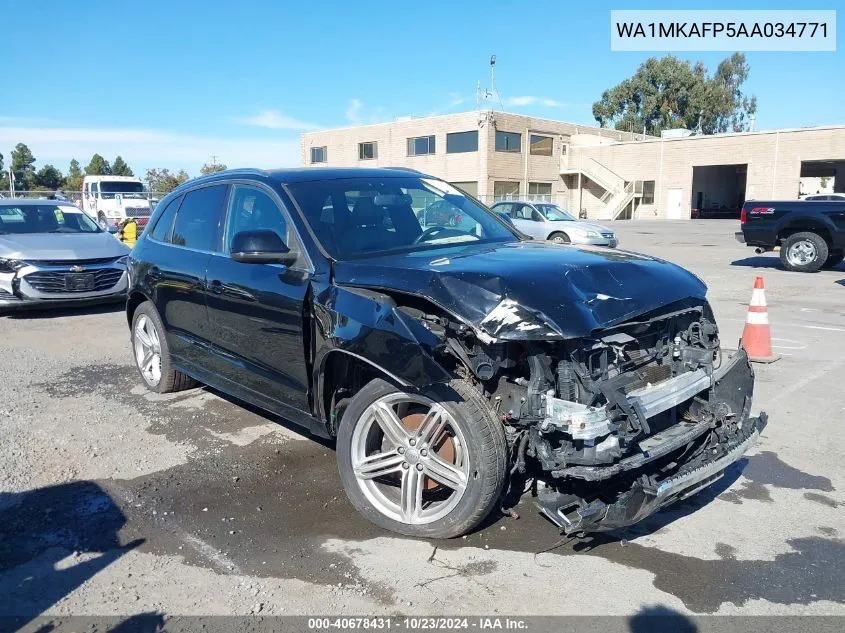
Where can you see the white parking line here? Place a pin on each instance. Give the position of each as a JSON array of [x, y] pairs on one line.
[[808, 327]]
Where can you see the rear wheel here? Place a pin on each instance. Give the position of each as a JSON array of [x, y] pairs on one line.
[[152, 354], [834, 259], [426, 464], [559, 238], [804, 252]]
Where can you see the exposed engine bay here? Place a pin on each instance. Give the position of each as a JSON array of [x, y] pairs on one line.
[[607, 429]]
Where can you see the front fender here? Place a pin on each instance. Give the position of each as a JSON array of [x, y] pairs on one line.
[[367, 325]]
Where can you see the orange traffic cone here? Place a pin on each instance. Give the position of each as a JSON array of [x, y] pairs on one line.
[[756, 337]]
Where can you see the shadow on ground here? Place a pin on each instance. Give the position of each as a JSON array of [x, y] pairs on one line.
[[660, 618], [760, 261], [55, 539], [33, 313]]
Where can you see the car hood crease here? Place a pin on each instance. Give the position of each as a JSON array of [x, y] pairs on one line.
[[529, 290]]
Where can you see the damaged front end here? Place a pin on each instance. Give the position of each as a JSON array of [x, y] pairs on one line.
[[621, 423]]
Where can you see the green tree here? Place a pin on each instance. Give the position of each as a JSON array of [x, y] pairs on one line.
[[162, 181], [98, 166], [668, 92], [211, 168], [73, 182], [4, 178], [23, 167], [120, 168], [49, 178]]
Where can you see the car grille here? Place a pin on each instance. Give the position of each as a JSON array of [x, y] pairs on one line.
[[70, 262], [137, 212], [5, 294], [55, 282]]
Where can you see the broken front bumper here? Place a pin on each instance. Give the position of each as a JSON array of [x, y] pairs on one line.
[[732, 384]]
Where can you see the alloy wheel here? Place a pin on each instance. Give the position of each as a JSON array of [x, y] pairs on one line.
[[147, 350], [409, 458]]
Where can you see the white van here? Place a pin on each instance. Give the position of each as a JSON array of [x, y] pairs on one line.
[[111, 199]]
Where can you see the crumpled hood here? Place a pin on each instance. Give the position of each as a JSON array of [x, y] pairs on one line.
[[530, 290], [35, 246]]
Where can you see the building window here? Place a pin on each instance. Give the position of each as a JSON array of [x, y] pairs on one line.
[[540, 145], [505, 190], [368, 150], [318, 154], [540, 188], [648, 192], [421, 145], [470, 187], [508, 142], [460, 142]]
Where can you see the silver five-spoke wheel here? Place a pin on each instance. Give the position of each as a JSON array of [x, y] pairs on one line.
[[147, 350], [409, 458]]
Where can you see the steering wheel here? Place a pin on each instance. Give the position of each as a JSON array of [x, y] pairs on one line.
[[433, 230]]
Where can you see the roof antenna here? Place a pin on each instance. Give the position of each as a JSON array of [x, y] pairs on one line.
[[493, 92]]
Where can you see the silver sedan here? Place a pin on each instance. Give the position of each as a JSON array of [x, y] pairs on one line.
[[546, 221], [52, 253]]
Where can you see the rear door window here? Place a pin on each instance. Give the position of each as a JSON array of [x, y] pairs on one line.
[[197, 222], [161, 230]]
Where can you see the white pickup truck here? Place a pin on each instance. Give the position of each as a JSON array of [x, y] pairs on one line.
[[111, 199]]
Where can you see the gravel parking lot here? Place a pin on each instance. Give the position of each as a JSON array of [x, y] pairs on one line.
[[116, 501]]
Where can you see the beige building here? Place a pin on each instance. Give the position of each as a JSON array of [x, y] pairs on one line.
[[605, 173]]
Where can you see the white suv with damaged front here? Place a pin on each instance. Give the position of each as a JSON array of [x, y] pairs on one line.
[[51, 253]]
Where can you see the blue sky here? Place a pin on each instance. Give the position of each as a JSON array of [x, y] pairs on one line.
[[168, 84]]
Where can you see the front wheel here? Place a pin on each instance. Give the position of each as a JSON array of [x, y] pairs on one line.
[[804, 252], [559, 238], [428, 464]]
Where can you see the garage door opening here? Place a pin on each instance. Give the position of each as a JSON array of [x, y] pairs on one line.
[[718, 191], [820, 177]]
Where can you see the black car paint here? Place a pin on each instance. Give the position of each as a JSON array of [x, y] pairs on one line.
[[767, 221], [568, 291], [348, 308]]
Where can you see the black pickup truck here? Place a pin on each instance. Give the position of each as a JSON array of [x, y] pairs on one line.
[[810, 233]]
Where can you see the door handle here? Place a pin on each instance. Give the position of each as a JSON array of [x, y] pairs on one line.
[[155, 273], [216, 286]]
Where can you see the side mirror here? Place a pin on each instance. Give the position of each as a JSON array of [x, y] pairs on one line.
[[261, 247]]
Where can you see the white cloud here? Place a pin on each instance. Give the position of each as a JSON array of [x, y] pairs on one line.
[[275, 120], [456, 99], [353, 112], [530, 100], [520, 101], [143, 148], [357, 114]]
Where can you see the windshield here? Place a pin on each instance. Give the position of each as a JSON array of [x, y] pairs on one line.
[[45, 218], [109, 188], [357, 217], [554, 213]]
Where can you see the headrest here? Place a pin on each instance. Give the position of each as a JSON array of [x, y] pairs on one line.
[[365, 212]]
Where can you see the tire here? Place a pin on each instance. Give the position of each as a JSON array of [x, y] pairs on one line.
[[834, 259], [478, 450], [804, 252], [559, 238], [160, 377]]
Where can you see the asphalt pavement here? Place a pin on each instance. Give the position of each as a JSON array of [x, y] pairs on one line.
[[115, 501]]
